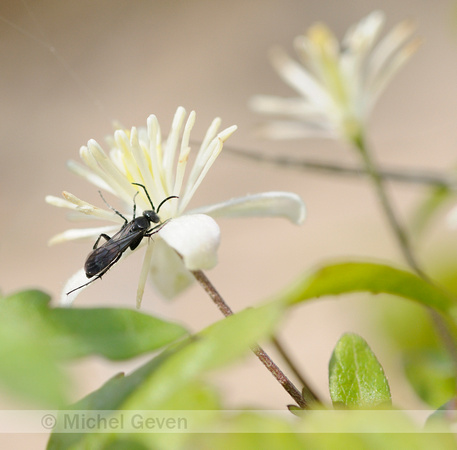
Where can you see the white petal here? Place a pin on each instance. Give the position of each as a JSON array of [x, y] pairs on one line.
[[388, 46], [298, 77], [383, 76], [73, 203], [144, 274], [195, 237], [266, 204], [88, 175], [76, 280], [59, 202], [168, 272], [81, 233], [205, 159], [104, 166], [360, 37], [292, 106], [283, 129], [79, 280], [452, 218], [89, 209]]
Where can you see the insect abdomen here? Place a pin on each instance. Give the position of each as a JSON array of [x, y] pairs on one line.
[[99, 260]]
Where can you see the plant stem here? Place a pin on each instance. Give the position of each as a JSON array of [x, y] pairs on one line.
[[307, 392], [404, 244], [259, 352], [406, 176]]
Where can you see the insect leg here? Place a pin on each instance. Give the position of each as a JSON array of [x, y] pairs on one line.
[[113, 209], [134, 205], [147, 194], [99, 275], [156, 229], [103, 235]]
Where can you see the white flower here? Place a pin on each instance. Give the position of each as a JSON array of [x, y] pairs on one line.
[[338, 86], [186, 241]]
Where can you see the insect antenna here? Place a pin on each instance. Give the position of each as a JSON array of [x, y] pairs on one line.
[[163, 201], [149, 198], [147, 195]]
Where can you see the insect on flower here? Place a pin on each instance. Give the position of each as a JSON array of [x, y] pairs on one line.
[[190, 239], [103, 257]]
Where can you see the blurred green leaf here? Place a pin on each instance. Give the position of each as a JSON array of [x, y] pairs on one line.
[[432, 375], [446, 270], [28, 365], [249, 441], [216, 346], [356, 379], [160, 383], [322, 430], [417, 332], [342, 278], [35, 339], [374, 429], [444, 419], [121, 443], [112, 333]]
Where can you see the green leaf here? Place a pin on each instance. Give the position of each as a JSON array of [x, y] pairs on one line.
[[343, 278], [28, 365], [263, 438], [113, 333], [35, 339], [216, 346], [362, 430], [432, 375], [416, 333], [356, 379], [156, 384], [444, 419]]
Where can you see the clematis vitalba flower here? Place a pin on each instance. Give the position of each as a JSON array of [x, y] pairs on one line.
[[187, 240], [338, 85]]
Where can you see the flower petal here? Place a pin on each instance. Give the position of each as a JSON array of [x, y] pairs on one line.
[[283, 129], [76, 280], [74, 234], [88, 175], [292, 107], [195, 237], [266, 204], [452, 218], [168, 272], [340, 83], [144, 275], [299, 78]]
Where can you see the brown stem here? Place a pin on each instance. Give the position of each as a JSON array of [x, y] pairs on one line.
[[307, 392], [399, 175], [259, 352]]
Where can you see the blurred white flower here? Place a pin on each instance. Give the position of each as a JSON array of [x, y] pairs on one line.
[[452, 218], [338, 85], [141, 156]]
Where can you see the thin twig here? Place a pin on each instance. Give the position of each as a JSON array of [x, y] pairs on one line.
[[400, 175], [405, 246], [307, 392], [259, 352]]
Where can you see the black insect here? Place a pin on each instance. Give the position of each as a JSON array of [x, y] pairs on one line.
[[103, 257]]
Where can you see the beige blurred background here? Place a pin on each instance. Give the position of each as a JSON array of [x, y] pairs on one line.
[[69, 68]]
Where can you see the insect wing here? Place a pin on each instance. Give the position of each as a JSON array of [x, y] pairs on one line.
[[103, 257]]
